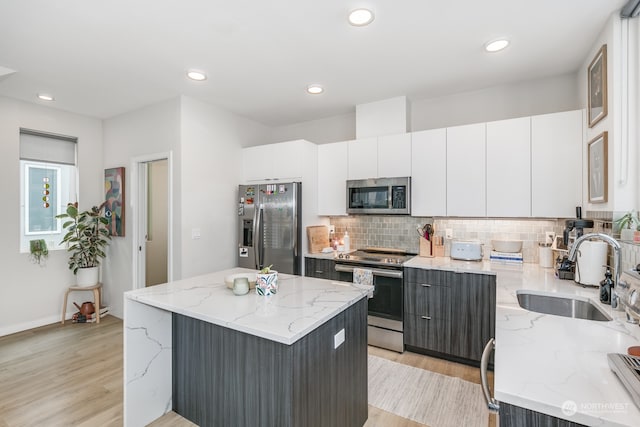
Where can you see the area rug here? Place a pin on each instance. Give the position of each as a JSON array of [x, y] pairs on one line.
[[425, 397]]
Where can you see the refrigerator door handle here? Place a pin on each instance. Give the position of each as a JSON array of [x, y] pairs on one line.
[[256, 217], [258, 244]]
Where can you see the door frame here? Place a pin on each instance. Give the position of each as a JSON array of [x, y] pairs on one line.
[[138, 213]]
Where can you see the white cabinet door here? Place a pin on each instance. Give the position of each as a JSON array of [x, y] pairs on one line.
[[255, 168], [429, 173], [287, 160], [556, 162], [363, 158], [332, 178], [466, 176], [509, 168], [394, 155]]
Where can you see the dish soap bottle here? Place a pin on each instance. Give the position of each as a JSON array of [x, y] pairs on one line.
[[346, 241], [606, 286]]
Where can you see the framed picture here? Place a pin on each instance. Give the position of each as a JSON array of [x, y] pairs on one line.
[[114, 197], [597, 83], [598, 169]]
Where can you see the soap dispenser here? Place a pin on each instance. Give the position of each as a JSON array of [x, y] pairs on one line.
[[606, 287], [346, 241]]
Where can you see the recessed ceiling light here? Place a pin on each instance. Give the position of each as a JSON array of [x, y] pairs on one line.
[[46, 97], [361, 17], [496, 45], [315, 89], [196, 75]]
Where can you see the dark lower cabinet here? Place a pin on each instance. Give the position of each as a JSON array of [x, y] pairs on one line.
[[320, 268], [473, 314], [452, 314], [516, 416], [223, 377]]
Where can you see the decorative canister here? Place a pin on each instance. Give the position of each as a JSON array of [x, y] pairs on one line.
[[267, 283]]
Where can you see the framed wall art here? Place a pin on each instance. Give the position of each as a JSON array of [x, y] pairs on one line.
[[114, 200], [598, 169], [597, 87]]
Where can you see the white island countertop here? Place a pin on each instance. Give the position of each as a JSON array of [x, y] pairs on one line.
[[300, 306], [551, 364]]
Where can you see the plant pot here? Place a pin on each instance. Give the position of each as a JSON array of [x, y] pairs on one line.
[[267, 283], [87, 276], [626, 234], [636, 236]]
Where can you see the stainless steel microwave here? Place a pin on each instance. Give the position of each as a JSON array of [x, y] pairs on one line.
[[381, 196]]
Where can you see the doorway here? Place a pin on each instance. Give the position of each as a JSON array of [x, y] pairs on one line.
[[153, 233], [156, 240]]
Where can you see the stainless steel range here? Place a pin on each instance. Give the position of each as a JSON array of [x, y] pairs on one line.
[[385, 313]]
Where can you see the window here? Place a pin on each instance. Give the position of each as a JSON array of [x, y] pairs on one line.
[[48, 182]]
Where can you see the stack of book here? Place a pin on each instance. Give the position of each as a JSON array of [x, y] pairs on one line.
[[506, 257], [90, 318]]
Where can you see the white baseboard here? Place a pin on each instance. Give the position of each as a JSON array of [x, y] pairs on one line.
[[20, 327]]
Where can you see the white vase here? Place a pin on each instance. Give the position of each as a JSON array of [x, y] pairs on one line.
[[87, 276]]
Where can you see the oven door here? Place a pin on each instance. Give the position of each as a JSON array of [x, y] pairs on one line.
[[387, 301]]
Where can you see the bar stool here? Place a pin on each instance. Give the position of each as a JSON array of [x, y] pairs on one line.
[[97, 288]]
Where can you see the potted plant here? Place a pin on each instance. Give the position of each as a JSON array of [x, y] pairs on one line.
[[627, 224], [87, 236], [267, 281], [38, 251]]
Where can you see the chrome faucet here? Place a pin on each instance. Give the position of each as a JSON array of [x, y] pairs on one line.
[[573, 253]]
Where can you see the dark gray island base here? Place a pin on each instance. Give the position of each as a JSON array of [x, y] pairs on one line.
[[223, 377]]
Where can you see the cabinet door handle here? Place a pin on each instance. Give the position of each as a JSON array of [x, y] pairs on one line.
[[492, 403], [319, 271], [425, 285], [426, 317]]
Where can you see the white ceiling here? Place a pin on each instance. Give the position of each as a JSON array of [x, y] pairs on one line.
[[103, 58]]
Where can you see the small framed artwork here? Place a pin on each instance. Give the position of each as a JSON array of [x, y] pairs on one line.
[[597, 87], [114, 200], [598, 169]]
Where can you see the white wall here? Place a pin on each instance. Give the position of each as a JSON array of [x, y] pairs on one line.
[[528, 98], [24, 284], [321, 131], [623, 150], [150, 130], [212, 141]]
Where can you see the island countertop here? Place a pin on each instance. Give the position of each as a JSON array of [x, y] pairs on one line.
[[300, 306]]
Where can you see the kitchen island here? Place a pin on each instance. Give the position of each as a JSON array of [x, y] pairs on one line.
[[552, 365], [295, 358]]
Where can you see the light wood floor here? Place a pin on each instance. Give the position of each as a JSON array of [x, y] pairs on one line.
[[71, 375]]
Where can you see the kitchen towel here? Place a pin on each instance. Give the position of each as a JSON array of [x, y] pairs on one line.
[[363, 276]]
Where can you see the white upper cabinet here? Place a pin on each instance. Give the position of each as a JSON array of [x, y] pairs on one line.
[[333, 164], [556, 159], [466, 174], [509, 168], [394, 155], [281, 161], [363, 158], [429, 173]]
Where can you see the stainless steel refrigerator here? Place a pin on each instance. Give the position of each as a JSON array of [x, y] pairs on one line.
[[270, 227]]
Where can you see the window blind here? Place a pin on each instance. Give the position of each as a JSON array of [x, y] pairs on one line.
[[42, 147]]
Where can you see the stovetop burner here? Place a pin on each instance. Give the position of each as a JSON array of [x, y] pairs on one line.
[[376, 256]]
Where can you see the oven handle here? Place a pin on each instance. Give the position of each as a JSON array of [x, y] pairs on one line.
[[375, 271]]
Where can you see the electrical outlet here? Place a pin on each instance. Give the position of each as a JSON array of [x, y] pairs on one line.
[[448, 233], [332, 229], [549, 236], [195, 233], [338, 339]]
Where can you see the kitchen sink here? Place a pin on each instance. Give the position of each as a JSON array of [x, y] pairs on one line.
[[562, 306]]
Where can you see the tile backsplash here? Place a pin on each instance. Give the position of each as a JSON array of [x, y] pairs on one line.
[[400, 232]]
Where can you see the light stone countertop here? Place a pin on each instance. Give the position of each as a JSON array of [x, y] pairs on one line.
[[300, 306], [552, 364]]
